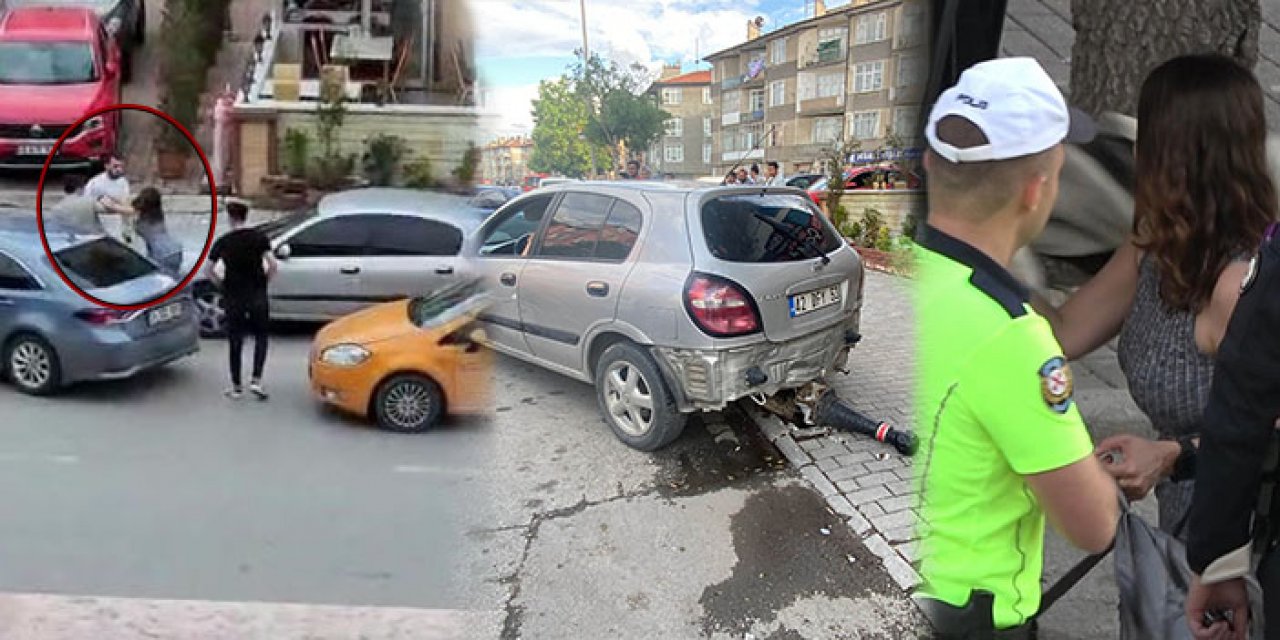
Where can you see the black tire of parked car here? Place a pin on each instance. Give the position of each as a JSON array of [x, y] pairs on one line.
[[667, 422], [384, 398], [32, 342]]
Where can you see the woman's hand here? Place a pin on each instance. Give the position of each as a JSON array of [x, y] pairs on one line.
[[1142, 464]]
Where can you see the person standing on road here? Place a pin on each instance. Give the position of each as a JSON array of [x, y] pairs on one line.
[[162, 247], [774, 175], [76, 209], [110, 191], [1002, 443], [247, 266]]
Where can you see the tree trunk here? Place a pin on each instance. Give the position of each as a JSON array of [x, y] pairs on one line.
[[1118, 42]]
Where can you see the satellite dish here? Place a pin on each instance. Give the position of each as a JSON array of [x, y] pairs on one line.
[[759, 21]]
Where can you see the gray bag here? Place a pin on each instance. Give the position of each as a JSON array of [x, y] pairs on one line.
[[1153, 578]]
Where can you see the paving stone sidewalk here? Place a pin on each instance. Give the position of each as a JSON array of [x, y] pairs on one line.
[[869, 484]]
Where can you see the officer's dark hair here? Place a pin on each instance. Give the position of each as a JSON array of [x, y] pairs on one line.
[[978, 189], [238, 211], [1203, 194]]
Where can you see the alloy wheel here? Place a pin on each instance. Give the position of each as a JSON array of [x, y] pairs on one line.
[[629, 399], [30, 365], [213, 317], [408, 404]]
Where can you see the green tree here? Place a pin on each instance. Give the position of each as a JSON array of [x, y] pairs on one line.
[[559, 119], [619, 113]]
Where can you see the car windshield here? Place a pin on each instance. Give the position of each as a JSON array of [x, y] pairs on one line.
[[274, 228], [46, 63], [770, 228], [439, 306], [102, 263]]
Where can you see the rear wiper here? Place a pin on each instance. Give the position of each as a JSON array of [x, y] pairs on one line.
[[794, 237]]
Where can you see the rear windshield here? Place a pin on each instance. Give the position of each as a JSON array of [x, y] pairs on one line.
[[773, 228], [102, 263], [46, 63]]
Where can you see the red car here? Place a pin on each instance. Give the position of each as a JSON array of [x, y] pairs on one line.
[[56, 65], [864, 178]]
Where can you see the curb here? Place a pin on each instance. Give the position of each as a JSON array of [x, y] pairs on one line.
[[896, 563]]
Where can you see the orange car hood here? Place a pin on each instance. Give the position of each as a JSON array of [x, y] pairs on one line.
[[374, 324]]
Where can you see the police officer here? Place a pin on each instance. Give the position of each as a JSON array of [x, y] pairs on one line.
[[1236, 446], [1002, 442]]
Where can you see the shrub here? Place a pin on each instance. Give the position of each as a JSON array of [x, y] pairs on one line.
[[297, 153], [910, 225], [382, 157], [884, 240], [419, 174], [466, 172], [192, 36]]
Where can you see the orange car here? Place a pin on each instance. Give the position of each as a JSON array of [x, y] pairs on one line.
[[405, 364]]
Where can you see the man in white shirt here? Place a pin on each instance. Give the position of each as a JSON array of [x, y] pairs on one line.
[[774, 175], [110, 191]]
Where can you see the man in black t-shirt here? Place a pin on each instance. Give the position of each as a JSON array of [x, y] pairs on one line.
[[247, 265]]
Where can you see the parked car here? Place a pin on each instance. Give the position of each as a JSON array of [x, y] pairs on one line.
[[56, 65], [803, 180], [863, 178], [50, 337], [356, 248], [532, 181], [127, 19], [555, 180], [670, 299], [491, 198], [406, 364]]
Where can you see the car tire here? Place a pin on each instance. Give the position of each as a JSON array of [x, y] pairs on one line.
[[408, 403], [31, 364], [635, 400], [211, 317]]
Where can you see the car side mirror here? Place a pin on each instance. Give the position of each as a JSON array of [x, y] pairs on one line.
[[283, 252]]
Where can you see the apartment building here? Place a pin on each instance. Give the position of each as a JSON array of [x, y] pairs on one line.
[[685, 149], [857, 71], [505, 161]]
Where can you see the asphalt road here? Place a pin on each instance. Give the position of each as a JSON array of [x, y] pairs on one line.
[[156, 505]]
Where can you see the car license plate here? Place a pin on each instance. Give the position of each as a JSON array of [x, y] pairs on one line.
[[35, 149], [164, 314], [810, 301]]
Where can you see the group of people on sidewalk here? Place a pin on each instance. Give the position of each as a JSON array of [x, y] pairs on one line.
[[772, 178], [108, 193], [1194, 299]]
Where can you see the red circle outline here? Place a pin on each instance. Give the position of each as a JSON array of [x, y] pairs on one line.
[[213, 199]]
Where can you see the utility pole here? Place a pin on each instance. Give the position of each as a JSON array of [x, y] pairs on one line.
[[586, 68]]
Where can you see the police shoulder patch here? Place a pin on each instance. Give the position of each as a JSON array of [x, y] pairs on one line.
[[1250, 275], [1056, 385]]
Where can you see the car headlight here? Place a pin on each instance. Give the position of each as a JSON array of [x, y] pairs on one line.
[[92, 124], [345, 355]]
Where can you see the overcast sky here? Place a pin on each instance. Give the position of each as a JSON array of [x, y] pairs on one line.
[[520, 43]]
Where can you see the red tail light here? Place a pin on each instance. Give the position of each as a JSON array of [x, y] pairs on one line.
[[102, 317], [720, 307]]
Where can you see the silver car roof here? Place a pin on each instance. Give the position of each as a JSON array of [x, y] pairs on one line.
[[20, 235], [669, 186]]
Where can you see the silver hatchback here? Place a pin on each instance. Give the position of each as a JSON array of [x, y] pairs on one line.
[[670, 299]]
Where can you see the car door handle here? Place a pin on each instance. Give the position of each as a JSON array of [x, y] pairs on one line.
[[444, 271], [349, 270], [507, 279], [597, 289]]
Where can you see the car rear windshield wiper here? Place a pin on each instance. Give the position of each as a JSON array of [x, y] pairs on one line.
[[808, 243]]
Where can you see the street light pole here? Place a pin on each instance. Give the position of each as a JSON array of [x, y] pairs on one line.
[[586, 68]]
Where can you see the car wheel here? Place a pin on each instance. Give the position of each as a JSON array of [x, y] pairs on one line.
[[211, 315], [32, 365], [635, 400], [408, 403]]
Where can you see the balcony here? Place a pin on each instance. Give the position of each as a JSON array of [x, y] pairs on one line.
[[829, 52], [821, 106], [730, 119], [731, 83], [756, 115], [738, 156]]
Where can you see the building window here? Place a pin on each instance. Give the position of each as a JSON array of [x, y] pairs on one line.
[[827, 130], [868, 77], [731, 102], [777, 93], [706, 95], [905, 122], [866, 125], [831, 43], [673, 153], [706, 126], [910, 71], [729, 139], [778, 51], [911, 24], [674, 127], [872, 28], [831, 85], [671, 95], [756, 100], [706, 152], [750, 136]]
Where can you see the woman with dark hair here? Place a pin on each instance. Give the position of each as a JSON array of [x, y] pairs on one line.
[[1203, 200], [162, 247]]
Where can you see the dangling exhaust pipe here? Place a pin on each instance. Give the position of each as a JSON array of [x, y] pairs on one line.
[[816, 404]]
